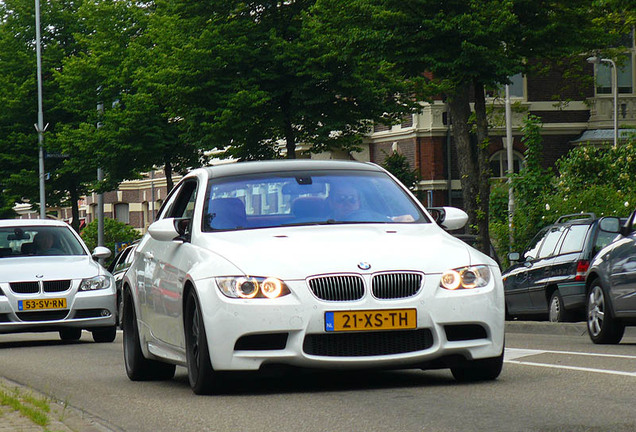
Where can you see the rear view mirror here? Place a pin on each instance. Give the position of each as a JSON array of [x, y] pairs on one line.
[[513, 256], [610, 224]]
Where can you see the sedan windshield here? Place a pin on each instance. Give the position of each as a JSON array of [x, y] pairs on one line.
[[38, 241], [307, 198]]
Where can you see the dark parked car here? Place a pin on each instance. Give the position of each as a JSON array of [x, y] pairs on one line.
[[611, 284], [548, 279], [117, 268]]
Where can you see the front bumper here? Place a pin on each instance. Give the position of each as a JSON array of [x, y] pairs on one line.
[[249, 334], [84, 309]]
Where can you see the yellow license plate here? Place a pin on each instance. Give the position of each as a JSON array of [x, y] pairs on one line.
[[365, 320], [55, 303]]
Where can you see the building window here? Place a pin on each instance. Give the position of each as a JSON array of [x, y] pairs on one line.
[[515, 86], [121, 212], [499, 163], [624, 68]]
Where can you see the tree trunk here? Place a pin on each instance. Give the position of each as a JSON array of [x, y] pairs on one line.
[[75, 222], [459, 107], [167, 171], [483, 168], [290, 135]]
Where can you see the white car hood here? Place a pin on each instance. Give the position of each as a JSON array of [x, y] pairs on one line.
[[298, 252], [48, 268]]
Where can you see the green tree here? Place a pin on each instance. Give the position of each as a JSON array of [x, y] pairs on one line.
[[466, 47], [398, 165], [253, 76], [114, 232]]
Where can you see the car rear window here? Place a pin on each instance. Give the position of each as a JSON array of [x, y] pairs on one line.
[[550, 242], [574, 238]]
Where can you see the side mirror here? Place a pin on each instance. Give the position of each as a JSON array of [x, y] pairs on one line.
[[610, 224], [101, 252], [450, 218], [164, 230], [513, 256]]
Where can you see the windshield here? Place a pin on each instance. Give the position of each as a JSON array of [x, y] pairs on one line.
[[307, 198], [38, 241]]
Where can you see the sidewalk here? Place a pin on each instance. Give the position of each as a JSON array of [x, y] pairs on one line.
[[22, 408]]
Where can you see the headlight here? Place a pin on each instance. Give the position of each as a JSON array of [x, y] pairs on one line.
[[95, 283], [248, 287], [465, 278]]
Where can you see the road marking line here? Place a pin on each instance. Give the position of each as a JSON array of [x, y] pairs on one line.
[[512, 354], [610, 372], [522, 352]]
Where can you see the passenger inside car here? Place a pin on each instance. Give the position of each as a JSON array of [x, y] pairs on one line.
[[44, 242]]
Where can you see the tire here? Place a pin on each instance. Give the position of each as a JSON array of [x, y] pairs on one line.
[[106, 334], [556, 310], [139, 368], [479, 370], [70, 334], [201, 375], [120, 310], [602, 327]]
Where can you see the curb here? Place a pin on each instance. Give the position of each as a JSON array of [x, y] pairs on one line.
[[548, 328], [61, 417]]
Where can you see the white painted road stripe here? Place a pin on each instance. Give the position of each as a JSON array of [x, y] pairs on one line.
[[512, 355]]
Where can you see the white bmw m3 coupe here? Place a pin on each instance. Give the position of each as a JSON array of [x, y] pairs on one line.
[[316, 264]]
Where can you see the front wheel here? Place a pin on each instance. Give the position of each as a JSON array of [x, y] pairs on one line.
[[486, 369], [70, 334], [200, 373], [602, 327], [139, 368], [106, 334]]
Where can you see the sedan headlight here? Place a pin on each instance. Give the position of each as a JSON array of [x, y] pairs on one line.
[[95, 283], [248, 287], [465, 278]]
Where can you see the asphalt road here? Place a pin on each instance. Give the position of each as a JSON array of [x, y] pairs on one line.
[[554, 379]]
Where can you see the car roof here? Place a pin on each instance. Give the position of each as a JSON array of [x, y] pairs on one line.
[[256, 167], [4, 223]]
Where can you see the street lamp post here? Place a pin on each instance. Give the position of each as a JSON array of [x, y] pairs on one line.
[[597, 60], [40, 125]]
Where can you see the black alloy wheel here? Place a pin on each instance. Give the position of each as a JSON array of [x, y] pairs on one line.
[[139, 368], [487, 369], [200, 372]]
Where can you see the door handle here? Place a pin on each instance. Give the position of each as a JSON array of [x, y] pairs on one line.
[[149, 255]]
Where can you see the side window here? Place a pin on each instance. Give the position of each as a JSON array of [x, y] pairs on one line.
[[532, 250], [183, 204], [575, 238], [551, 240]]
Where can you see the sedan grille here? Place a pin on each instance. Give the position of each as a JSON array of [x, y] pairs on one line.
[[57, 285], [25, 287], [363, 344], [396, 285], [337, 288]]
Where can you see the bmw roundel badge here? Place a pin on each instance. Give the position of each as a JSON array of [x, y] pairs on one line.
[[364, 265]]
